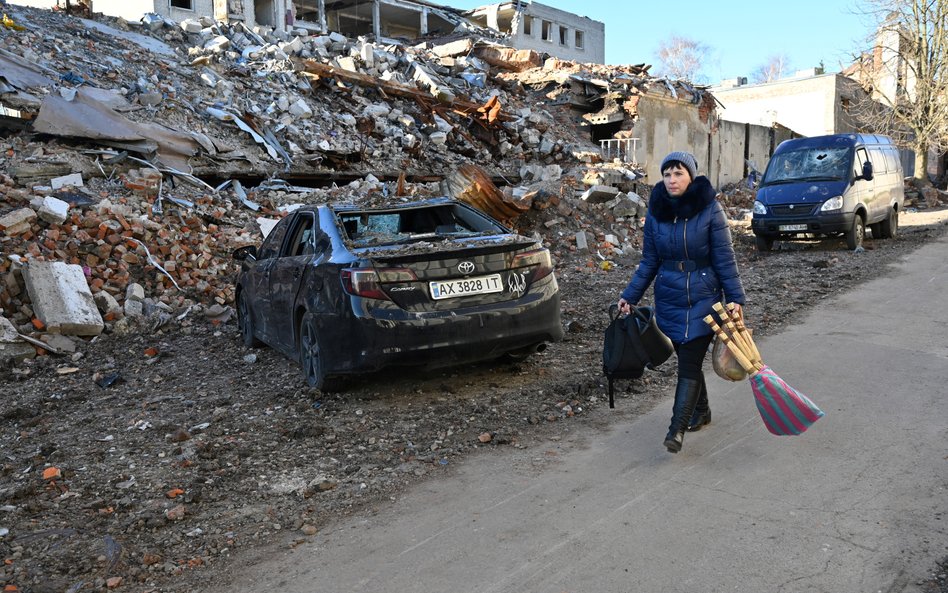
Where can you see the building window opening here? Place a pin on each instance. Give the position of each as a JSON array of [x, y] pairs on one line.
[[579, 40], [185, 4], [547, 31], [528, 26], [564, 36]]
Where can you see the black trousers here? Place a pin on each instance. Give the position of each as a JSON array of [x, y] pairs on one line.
[[691, 356]]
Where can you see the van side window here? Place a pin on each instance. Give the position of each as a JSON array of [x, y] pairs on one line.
[[878, 161], [892, 159]]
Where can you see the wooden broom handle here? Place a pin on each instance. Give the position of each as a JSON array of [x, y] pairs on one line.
[[745, 333], [742, 360], [736, 335]]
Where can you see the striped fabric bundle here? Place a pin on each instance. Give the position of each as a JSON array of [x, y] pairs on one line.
[[784, 410]]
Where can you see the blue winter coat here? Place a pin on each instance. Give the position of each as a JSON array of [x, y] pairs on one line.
[[687, 251]]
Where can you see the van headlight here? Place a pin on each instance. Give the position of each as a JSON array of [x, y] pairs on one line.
[[832, 204], [759, 207]]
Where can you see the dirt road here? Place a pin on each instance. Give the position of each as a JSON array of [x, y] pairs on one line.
[[201, 450]]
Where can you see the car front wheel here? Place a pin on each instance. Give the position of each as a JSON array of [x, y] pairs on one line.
[[856, 233], [245, 323], [890, 226]]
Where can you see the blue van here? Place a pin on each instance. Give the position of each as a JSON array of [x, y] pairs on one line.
[[830, 186]]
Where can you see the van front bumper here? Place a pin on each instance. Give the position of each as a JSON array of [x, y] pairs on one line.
[[783, 226]]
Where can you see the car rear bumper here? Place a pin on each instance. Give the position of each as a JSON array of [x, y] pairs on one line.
[[379, 337], [770, 226]]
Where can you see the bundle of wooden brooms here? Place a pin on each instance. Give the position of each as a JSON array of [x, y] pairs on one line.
[[784, 410]]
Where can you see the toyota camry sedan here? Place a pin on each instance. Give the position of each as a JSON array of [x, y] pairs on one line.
[[345, 289]]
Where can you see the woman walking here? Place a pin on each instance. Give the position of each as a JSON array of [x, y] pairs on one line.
[[687, 251]]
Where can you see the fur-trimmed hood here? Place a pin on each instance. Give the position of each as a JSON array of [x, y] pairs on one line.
[[696, 198]]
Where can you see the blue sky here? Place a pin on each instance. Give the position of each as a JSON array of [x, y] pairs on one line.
[[741, 35]]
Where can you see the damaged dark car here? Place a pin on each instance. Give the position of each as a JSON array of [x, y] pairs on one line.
[[344, 289]]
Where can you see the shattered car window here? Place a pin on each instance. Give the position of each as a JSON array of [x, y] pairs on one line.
[[415, 224]]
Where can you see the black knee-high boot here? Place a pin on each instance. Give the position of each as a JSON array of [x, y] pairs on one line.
[[702, 415], [686, 397]]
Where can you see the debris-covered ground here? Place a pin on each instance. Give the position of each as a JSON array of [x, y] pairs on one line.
[[196, 448], [148, 457]]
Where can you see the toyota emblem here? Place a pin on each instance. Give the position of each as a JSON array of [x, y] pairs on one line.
[[466, 267]]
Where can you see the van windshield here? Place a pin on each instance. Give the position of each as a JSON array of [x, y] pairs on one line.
[[808, 164]]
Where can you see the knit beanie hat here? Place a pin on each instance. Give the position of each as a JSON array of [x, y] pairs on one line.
[[685, 158]]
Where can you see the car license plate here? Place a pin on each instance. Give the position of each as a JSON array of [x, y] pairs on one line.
[[792, 227], [466, 287]]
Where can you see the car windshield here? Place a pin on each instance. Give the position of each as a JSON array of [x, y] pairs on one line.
[[809, 164], [386, 227]]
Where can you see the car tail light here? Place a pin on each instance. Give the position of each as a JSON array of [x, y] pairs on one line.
[[539, 259], [367, 282]]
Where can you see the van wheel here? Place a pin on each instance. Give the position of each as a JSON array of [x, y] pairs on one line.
[[856, 234], [890, 226], [763, 243]]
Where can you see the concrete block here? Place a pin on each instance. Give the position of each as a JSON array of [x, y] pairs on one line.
[[107, 303], [582, 245], [134, 308], [62, 299], [73, 179], [599, 194], [348, 63], [53, 210], [18, 221], [191, 26], [135, 292]]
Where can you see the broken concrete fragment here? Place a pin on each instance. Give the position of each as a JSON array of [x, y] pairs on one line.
[[598, 194], [301, 109], [582, 245], [348, 63], [134, 308], [107, 304], [53, 210], [61, 298], [59, 342], [217, 44], [135, 292], [150, 99], [191, 26], [8, 333], [18, 221], [74, 179]]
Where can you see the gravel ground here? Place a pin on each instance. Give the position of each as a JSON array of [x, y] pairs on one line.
[[151, 459]]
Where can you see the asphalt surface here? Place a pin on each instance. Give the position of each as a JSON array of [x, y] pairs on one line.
[[856, 504]]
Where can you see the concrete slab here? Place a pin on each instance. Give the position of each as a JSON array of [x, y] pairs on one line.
[[62, 299]]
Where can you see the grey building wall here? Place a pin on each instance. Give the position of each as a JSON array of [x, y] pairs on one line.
[[665, 125]]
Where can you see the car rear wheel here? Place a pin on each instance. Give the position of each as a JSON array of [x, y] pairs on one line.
[[856, 233], [311, 356], [763, 243], [245, 323], [890, 226]]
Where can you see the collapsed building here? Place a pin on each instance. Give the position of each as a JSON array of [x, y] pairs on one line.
[[143, 153]]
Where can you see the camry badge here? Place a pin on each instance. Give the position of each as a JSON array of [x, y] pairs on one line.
[[466, 267]]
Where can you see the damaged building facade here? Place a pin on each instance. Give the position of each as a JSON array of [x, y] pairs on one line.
[[531, 25], [522, 25]]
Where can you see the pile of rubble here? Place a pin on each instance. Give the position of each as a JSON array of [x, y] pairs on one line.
[[141, 154]]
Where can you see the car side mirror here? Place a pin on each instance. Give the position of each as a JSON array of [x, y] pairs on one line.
[[866, 171], [247, 252]]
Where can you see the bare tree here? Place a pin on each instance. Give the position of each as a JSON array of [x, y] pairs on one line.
[[681, 58], [775, 68], [906, 73]]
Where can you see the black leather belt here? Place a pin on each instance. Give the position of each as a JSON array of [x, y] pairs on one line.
[[685, 265]]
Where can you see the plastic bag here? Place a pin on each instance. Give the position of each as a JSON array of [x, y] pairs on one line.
[[724, 363]]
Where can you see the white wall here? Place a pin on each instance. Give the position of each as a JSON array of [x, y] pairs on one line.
[[806, 106], [594, 34]]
